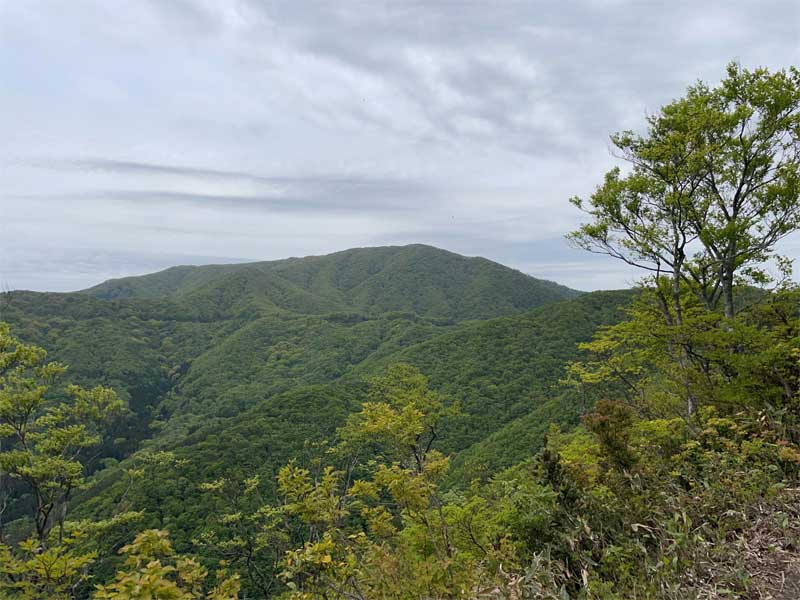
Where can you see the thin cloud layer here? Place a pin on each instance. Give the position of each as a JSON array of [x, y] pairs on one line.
[[163, 131]]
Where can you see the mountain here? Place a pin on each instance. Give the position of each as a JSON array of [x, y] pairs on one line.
[[419, 279], [236, 369]]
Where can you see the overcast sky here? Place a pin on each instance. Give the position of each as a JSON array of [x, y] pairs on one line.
[[139, 135]]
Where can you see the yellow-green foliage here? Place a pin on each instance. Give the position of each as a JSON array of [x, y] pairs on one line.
[[385, 533], [45, 444], [154, 571]]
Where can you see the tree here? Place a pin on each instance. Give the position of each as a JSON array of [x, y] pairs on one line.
[[751, 171], [378, 529], [713, 186], [45, 441], [155, 570], [246, 533]]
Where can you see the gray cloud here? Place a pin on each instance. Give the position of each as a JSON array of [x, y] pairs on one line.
[[142, 168], [300, 203], [307, 193], [260, 129]]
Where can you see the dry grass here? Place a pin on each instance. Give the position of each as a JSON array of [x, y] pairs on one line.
[[771, 550], [764, 556]]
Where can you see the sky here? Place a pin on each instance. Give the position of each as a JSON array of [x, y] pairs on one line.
[[139, 135]]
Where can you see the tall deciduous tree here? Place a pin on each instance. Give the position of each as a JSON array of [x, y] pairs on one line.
[[46, 442], [713, 186]]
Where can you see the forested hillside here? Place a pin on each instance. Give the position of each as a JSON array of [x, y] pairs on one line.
[[190, 346], [497, 370]]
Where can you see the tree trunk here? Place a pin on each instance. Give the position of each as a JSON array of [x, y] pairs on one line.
[[728, 268], [676, 297], [727, 294], [683, 352]]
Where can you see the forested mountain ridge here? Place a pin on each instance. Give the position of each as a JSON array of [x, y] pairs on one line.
[[209, 342], [420, 279]]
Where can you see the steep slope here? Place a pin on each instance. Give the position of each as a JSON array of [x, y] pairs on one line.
[[272, 355], [502, 369], [420, 279], [504, 372], [140, 348]]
